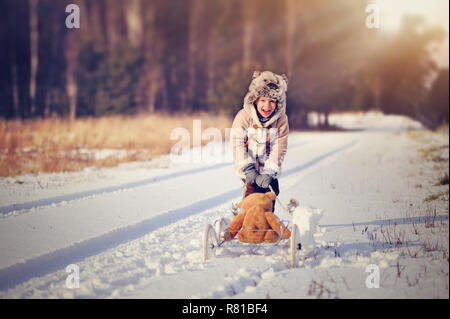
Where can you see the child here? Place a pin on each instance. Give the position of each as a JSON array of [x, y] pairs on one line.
[[259, 133]]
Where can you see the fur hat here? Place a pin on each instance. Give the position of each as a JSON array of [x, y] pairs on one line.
[[267, 84]]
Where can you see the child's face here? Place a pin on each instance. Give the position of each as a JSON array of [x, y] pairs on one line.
[[265, 106]]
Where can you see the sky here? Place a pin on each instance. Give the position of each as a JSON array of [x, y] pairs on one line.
[[435, 12]]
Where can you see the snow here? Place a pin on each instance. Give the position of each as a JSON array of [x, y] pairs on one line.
[[372, 120], [99, 154], [307, 220], [135, 231]]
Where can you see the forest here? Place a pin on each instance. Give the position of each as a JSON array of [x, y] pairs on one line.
[[135, 57]]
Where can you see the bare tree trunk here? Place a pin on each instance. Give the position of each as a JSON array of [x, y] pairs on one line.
[[133, 17], [149, 80], [96, 30], [71, 53], [249, 11], [193, 47], [326, 119], [15, 86], [19, 51], [114, 23], [34, 41], [211, 61], [49, 92], [72, 44], [290, 33], [376, 92], [72, 90]]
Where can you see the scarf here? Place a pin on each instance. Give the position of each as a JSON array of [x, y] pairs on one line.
[[263, 119]]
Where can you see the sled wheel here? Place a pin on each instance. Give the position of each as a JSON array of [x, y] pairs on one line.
[[295, 245], [209, 242]]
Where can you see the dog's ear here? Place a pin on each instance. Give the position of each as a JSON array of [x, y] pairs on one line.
[[271, 195]]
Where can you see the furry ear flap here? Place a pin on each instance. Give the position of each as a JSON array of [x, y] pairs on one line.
[[271, 195], [284, 76], [256, 74]]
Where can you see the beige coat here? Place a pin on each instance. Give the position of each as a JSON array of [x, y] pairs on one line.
[[262, 144]]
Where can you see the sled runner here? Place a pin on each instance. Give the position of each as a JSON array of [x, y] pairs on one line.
[[214, 236]]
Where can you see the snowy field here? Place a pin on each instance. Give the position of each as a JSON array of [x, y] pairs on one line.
[[135, 231]]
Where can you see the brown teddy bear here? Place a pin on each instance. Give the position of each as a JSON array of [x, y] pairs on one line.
[[257, 221]]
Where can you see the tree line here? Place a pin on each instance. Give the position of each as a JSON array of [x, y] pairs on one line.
[[144, 56]]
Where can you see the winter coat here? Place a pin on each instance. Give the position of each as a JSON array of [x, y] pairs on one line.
[[265, 145], [261, 143], [252, 141]]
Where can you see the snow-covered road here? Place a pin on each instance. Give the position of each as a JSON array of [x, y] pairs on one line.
[[135, 231]]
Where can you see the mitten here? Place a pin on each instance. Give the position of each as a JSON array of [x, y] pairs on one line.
[[263, 180], [250, 173]]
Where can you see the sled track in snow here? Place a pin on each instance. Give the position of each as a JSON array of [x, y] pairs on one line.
[[59, 259], [101, 191], [4, 210]]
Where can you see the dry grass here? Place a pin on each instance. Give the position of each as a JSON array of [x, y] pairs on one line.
[[430, 153], [55, 145], [436, 196]]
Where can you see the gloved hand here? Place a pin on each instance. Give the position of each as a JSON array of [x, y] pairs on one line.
[[263, 180], [250, 173]]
